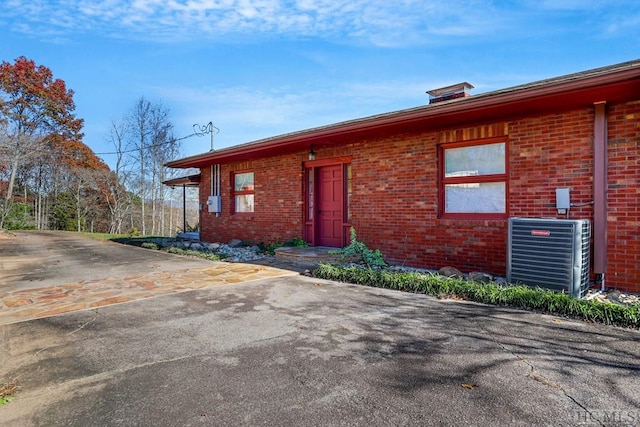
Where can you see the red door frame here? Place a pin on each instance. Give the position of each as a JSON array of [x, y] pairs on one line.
[[311, 226], [330, 205]]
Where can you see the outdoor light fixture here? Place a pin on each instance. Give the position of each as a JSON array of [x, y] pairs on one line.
[[312, 154]]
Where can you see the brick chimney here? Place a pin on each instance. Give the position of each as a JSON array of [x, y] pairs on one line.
[[460, 90]]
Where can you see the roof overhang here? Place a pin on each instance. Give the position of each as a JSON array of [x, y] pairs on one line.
[[183, 181], [616, 83]]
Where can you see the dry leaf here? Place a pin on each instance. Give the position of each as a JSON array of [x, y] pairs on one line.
[[469, 386]]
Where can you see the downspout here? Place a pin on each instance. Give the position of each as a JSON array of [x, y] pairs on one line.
[[600, 191]]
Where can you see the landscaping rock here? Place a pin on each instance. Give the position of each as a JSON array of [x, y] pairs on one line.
[[614, 295], [479, 276], [196, 246], [235, 243], [451, 272], [501, 281], [214, 246], [405, 269], [239, 254]]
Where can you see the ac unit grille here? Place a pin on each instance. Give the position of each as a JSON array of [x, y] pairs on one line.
[[550, 253]]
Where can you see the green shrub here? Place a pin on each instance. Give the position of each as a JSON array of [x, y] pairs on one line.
[[271, 247], [20, 217], [149, 245], [199, 254], [359, 250], [542, 300]]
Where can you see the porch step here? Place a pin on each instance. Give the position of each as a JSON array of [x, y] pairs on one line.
[[310, 256]]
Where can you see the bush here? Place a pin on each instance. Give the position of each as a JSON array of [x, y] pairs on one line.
[[271, 248], [358, 250], [542, 300], [20, 217], [149, 245], [199, 254]]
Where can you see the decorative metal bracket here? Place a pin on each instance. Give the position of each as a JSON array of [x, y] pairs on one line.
[[202, 130]]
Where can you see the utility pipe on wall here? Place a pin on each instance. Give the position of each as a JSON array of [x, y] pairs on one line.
[[600, 190]]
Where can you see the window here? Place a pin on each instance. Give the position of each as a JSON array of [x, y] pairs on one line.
[[310, 195], [243, 192], [473, 180], [349, 190]]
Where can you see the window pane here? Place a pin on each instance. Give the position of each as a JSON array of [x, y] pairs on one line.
[[349, 192], [244, 203], [475, 160], [488, 197], [243, 181]]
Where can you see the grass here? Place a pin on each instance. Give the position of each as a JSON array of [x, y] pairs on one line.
[[211, 256], [271, 247], [524, 297], [7, 391], [126, 239], [100, 236]]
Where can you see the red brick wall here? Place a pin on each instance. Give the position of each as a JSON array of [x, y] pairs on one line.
[[395, 192], [623, 231], [278, 202]]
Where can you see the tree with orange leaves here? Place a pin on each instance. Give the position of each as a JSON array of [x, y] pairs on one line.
[[35, 109], [85, 174]]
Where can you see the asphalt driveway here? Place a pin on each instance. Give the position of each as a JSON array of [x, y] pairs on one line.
[[301, 351]]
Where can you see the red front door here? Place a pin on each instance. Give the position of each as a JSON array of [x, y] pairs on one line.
[[330, 206]]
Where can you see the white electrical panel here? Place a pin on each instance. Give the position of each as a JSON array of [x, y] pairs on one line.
[[563, 200], [213, 203]]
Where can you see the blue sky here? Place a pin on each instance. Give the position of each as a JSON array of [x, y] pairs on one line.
[[260, 68]]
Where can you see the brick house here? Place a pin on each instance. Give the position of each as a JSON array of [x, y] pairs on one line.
[[435, 185]]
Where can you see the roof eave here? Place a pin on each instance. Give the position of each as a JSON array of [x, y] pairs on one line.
[[186, 181]]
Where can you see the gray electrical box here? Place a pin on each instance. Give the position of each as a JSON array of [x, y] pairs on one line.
[[213, 203], [563, 200]]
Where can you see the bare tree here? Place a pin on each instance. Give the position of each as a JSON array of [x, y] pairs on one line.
[[147, 133], [116, 182]]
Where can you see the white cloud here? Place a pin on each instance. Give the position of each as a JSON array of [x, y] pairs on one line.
[[244, 114], [612, 17], [619, 25], [570, 4], [380, 22]]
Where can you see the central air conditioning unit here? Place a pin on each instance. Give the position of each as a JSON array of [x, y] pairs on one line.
[[550, 253]]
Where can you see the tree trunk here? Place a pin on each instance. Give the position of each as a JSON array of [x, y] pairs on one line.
[[78, 208]]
